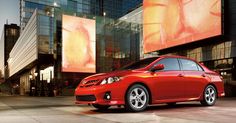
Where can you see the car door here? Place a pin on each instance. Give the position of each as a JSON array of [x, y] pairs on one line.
[[194, 78], [169, 81]]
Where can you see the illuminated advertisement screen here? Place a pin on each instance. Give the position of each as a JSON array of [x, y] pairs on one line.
[[168, 23], [78, 44]]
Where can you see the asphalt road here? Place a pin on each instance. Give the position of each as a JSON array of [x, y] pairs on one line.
[[17, 109]]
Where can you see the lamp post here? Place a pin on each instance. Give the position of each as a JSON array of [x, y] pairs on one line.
[[36, 84], [104, 34], [30, 78], [104, 17]]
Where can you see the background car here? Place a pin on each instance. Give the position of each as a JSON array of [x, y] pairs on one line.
[[164, 79]]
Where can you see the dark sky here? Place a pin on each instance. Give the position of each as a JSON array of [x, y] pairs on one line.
[[9, 9]]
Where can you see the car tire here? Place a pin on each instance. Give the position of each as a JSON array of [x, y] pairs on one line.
[[137, 98], [101, 107], [209, 96]]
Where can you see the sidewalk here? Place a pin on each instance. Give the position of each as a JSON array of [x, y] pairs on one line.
[[4, 94]]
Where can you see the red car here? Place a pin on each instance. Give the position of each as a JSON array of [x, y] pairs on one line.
[[164, 79]]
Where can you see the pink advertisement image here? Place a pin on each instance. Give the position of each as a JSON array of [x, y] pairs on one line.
[[78, 45], [168, 23]]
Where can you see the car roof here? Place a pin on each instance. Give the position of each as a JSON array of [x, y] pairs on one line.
[[176, 56]]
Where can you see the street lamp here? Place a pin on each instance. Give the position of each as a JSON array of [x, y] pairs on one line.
[[104, 31], [36, 74], [55, 4], [104, 17], [30, 76]]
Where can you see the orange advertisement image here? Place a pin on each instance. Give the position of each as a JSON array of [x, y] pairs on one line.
[[168, 23], [78, 44]]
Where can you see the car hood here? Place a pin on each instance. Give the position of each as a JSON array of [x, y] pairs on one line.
[[96, 78], [101, 76]]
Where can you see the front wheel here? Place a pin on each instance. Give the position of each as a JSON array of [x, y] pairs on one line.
[[101, 107], [209, 96], [137, 98]]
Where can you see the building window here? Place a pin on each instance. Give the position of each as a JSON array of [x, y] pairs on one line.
[[13, 32]]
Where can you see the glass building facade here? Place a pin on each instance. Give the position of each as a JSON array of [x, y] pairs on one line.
[[117, 41], [117, 44], [47, 9]]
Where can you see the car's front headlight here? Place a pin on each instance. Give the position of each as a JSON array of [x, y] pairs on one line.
[[110, 80]]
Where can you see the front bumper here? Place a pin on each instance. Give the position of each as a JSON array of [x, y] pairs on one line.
[[95, 94]]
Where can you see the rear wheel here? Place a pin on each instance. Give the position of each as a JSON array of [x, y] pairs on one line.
[[137, 98], [209, 96], [101, 107]]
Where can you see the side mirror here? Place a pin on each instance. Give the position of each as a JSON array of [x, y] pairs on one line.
[[158, 67], [201, 63]]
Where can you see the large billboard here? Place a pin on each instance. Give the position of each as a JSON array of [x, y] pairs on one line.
[[168, 23], [78, 44]]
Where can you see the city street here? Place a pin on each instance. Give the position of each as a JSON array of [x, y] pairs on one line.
[[116, 52], [17, 109]]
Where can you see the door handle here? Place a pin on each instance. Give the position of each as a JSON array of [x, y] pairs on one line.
[[203, 75], [180, 75]]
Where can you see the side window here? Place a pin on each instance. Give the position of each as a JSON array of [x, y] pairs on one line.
[[189, 65], [169, 63]]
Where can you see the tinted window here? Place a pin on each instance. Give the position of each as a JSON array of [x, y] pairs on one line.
[[169, 64], [140, 64], [188, 65]]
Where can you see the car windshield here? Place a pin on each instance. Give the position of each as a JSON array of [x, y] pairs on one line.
[[139, 64]]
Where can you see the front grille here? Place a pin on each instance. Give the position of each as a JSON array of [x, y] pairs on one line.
[[85, 98], [89, 83]]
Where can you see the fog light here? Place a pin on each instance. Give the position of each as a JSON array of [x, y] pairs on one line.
[[107, 96]]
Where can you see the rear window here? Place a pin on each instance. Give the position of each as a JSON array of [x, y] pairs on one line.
[[189, 65]]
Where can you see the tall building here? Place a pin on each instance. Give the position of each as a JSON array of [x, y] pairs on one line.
[[40, 66], [9, 37]]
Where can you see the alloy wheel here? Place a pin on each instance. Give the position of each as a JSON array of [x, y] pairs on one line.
[[210, 95], [138, 98]]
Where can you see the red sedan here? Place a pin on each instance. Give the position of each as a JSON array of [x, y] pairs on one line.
[[164, 79]]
